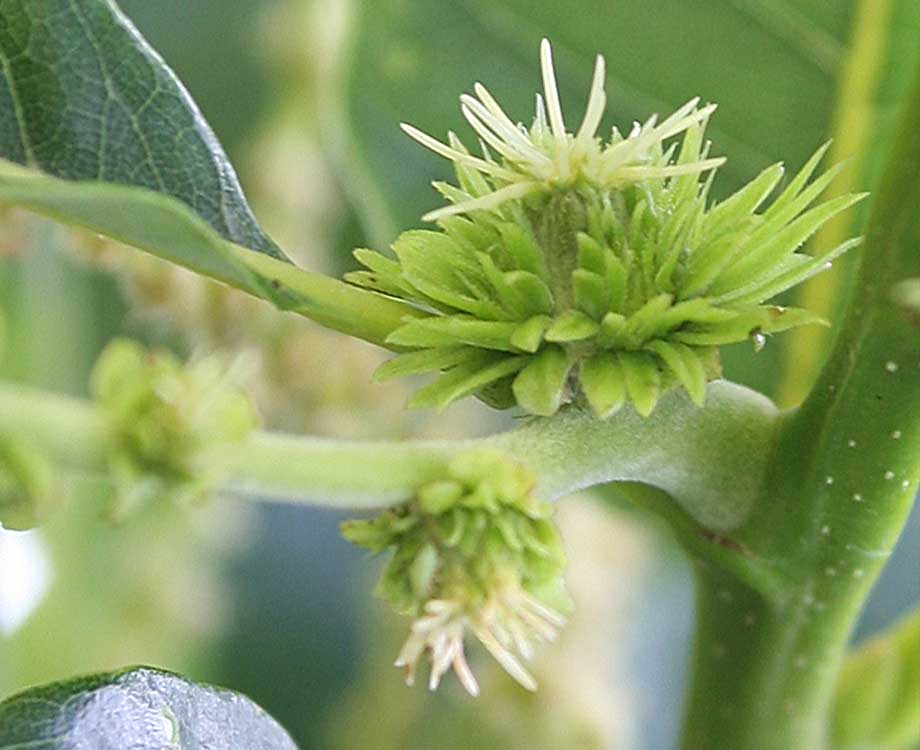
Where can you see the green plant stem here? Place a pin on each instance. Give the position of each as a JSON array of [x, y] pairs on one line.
[[696, 455], [836, 496]]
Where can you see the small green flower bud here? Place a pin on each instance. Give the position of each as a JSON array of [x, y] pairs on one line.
[[27, 489], [168, 422], [471, 551]]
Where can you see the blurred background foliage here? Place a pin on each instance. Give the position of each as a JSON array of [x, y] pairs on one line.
[[306, 95]]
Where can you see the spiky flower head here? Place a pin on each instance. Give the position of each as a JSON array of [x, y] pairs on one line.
[[567, 268], [474, 553]]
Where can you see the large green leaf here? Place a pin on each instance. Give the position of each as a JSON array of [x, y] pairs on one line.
[[84, 97], [878, 695], [142, 709]]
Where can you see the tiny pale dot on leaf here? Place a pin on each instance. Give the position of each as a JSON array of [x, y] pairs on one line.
[[889, 475], [857, 497], [891, 366], [896, 435]]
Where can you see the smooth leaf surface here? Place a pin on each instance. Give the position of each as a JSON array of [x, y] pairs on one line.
[[878, 693], [873, 84], [141, 709], [84, 97]]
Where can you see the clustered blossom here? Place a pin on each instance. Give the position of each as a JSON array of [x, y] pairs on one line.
[[473, 553], [569, 269], [167, 420]]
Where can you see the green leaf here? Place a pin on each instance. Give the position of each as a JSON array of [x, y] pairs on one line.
[[601, 379], [686, 366], [138, 708], [571, 326], [770, 251], [465, 379], [84, 97], [529, 335], [643, 380], [877, 704], [165, 227], [422, 361], [452, 330], [438, 267], [539, 386]]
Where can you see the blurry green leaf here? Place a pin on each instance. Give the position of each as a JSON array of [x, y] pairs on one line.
[[165, 227], [878, 693], [84, 97], [28, 493], [140, 708]]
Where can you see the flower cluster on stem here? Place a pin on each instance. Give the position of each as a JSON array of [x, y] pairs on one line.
[[167, 421], [569, 268], [473, 553]]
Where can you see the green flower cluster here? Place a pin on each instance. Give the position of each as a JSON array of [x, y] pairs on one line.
[[28, 492], [168, 422], [569, 269], [472, 551]]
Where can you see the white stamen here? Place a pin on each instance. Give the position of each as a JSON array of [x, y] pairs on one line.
[[671, 170], [486, 202], [465, 674], [545, 612], [485, 131], [553, 104], [448, 153], [547, 155], [506, 659], [597, 101], [509, 130]]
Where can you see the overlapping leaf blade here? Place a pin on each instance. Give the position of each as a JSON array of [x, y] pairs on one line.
[[84, 97], [141, 708]]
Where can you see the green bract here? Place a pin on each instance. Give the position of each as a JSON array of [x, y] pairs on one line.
[[167, 420], [472, 551], [570, 269]]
